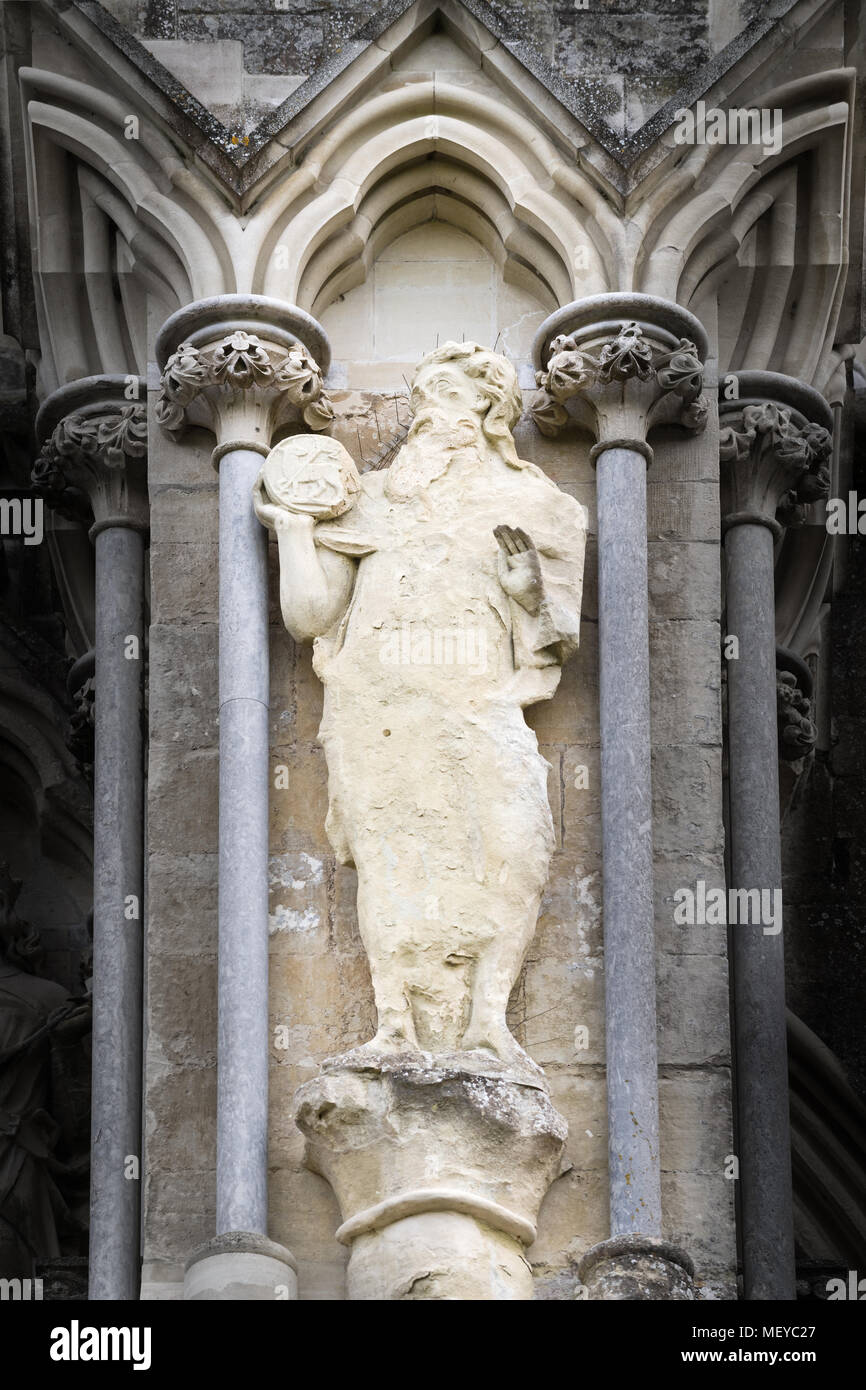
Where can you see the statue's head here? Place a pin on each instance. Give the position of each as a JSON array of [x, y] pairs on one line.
[[464, 376]]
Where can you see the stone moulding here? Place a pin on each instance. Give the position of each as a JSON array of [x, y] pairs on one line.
[[436, 1199]]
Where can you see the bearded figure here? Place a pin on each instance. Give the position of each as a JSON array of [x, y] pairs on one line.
[[442, 596]]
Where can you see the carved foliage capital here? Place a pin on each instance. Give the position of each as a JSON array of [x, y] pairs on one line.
[[288, 381], [772, 467], [670, 379], [100, 454]]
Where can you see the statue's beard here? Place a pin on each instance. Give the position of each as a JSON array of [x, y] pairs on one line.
[[436, 437]]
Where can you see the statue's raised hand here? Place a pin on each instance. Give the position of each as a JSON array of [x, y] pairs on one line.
[[519, 567]]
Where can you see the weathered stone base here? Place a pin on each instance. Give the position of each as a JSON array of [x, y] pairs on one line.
[[240, 1266], [438, 1255], [637, 1267], [439, 1164]]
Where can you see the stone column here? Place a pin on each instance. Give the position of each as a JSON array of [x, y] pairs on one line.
[[617, 365], [774, 445], [96, 443], [242, 366]]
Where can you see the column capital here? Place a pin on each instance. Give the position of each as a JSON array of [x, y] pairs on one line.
[[94, 443], [618, 364], [242, 366], [774, 448]]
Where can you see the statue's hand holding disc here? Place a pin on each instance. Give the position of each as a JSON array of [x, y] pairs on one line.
[[306, 475]]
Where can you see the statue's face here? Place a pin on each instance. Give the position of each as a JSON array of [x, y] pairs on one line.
[[447, 385]]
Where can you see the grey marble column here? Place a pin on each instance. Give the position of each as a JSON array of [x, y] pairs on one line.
[[774, 443], [626, 814], [242, 366], [242, 1098], [96, 442], [616, 365], [118, 790]]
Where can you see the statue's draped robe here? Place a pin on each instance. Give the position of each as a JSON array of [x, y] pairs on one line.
[[30, 1204], [438, 793]]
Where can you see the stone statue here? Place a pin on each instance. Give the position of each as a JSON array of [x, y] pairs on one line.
[[44, 1120], [442, 595]]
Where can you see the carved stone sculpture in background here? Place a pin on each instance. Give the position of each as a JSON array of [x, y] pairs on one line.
[[44, 1125], [79, 736], [443, 594], [797, 733]]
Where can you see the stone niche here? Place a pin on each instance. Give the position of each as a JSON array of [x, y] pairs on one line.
[[433, 281]]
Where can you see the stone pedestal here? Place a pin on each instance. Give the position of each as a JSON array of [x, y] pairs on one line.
[[439, 1164]]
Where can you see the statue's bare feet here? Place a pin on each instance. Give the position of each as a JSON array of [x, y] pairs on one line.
[[495, 1037], [396, 1033]]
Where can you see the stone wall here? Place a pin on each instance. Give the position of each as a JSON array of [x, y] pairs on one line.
[[180, 981], [240, 57]]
